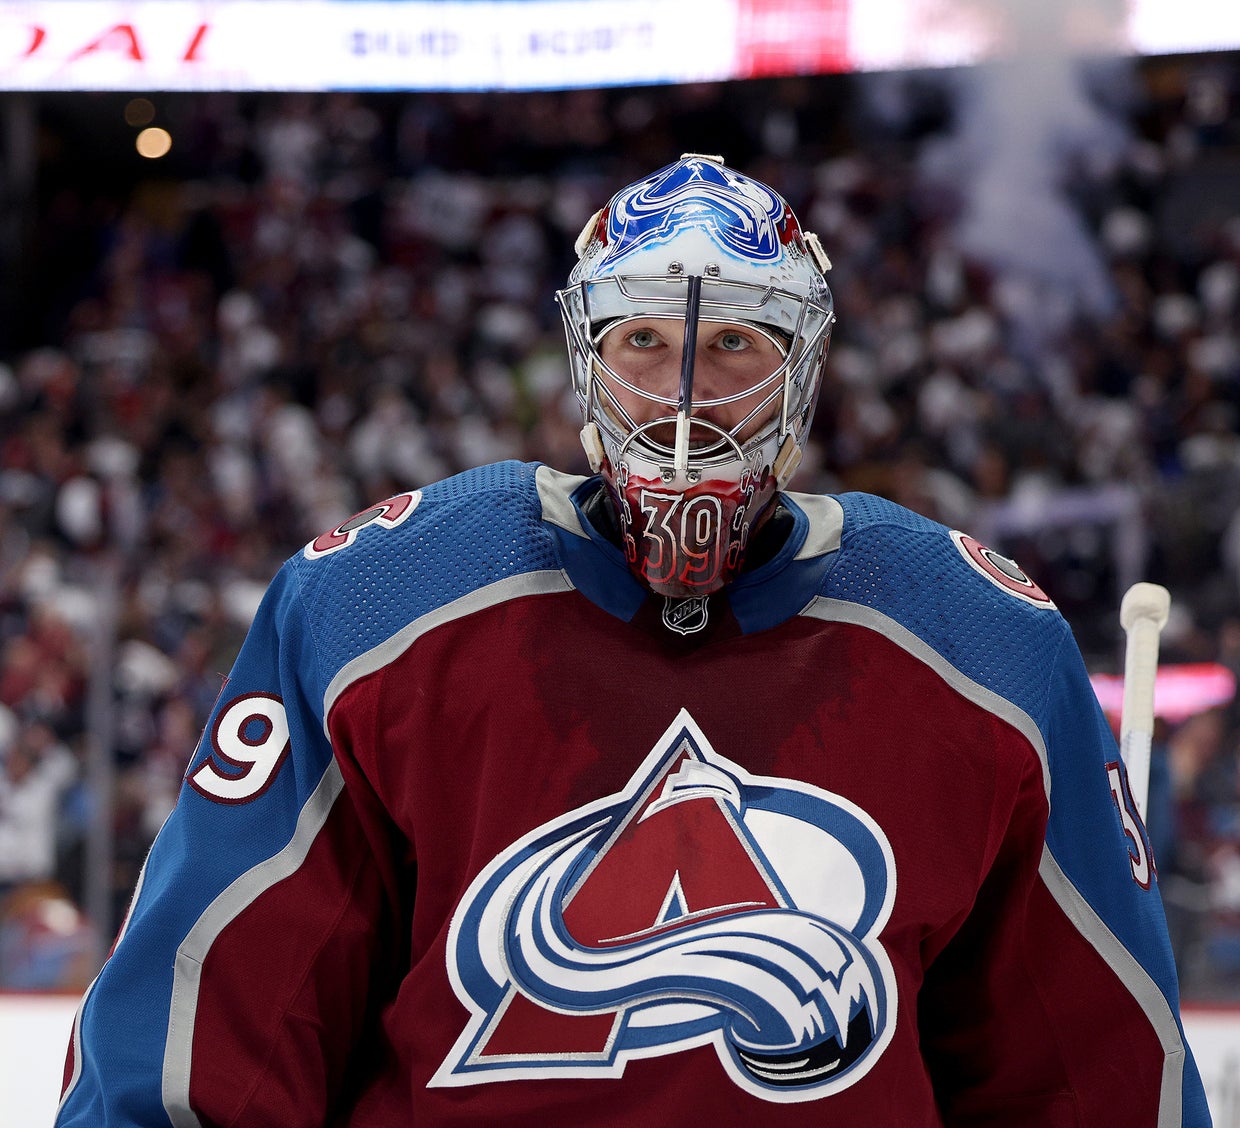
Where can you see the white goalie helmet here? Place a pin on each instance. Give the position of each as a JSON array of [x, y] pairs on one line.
[[694, 470]]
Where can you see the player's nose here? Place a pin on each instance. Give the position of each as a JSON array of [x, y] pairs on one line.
[[664, 381]]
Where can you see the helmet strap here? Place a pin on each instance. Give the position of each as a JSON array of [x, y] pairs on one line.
[[592, 444], [786, 461]]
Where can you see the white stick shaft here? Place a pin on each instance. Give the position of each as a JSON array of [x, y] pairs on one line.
[[1143, 613]]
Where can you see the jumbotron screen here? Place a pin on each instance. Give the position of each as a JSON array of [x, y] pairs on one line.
[[556, 44]]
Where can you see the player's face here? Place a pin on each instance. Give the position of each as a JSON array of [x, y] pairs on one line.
[[729, 359]]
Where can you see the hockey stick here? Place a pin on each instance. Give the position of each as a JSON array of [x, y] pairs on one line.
[[1142, 613]]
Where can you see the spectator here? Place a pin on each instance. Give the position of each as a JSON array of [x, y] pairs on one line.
[[37, 770]]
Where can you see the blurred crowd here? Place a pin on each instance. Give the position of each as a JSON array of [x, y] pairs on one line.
[[316, 301]]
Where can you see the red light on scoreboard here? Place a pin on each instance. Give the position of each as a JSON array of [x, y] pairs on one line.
[[782, 37]]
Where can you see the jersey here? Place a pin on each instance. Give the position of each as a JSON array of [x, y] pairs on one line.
[[481, 831]]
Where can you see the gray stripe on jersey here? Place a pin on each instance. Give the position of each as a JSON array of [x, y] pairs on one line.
[[1087, 922], [826, 524], [842, 611], [554, 491], [548, 582], [1134, 977], [187, 967]]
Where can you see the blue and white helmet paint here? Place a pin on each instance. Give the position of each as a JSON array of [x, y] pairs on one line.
[[697, 241]]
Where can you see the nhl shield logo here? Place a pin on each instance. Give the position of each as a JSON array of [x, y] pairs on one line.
[[686, 616], [601, 936]]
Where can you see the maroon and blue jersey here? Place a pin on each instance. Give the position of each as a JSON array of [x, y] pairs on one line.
[[480, 831]]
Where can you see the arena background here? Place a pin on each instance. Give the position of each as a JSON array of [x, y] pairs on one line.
[[329, 278]]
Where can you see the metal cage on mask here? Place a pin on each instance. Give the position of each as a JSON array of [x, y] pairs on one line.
[[688, 490]]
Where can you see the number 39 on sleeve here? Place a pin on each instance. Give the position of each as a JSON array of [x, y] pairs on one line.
[[249, 743]]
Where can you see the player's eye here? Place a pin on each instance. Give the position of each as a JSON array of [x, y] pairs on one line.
[[732, 342], [643, 338]]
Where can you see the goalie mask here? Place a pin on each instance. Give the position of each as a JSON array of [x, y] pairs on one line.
[[698, 318]]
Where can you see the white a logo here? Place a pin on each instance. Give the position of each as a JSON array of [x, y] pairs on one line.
[[602, 935]]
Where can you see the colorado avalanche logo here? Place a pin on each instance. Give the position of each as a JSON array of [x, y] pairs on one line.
[[742, 215], [701, 905]]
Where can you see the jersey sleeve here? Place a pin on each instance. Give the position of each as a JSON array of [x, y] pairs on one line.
[[1056, 1002], [240, 978]]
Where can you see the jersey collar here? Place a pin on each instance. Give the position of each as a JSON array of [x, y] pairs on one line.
[[762, 598]]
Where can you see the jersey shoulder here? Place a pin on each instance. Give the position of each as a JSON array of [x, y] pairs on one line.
[[406, 556], [974, 607]]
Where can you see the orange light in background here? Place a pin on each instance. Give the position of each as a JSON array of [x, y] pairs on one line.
[[153, 142]]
